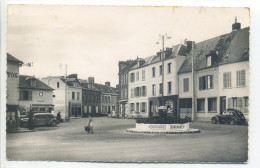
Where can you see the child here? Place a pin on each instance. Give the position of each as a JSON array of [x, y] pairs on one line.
[[90, 125]]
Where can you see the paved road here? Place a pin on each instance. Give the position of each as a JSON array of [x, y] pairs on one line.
[[110, 142]]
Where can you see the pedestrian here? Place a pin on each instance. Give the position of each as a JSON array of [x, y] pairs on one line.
[[58, 117], [91, 125], [30, 120]]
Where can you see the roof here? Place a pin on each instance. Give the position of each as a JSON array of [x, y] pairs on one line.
[[104, 88], [228, 48], [24, 82], [13, 59], [170, 53]]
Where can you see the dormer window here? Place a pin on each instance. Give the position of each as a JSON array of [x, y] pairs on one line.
[[209, 60], [33, 83]]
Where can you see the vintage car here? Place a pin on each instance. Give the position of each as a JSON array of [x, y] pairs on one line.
[[230, 116], [113, 114], [40, 119], [134, 115]]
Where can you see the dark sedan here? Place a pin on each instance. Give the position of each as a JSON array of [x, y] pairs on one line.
[[230, 116]]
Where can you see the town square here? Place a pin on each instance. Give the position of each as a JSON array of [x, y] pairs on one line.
[[127, 84]]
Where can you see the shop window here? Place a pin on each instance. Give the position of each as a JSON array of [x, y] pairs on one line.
[[186, 103], [212, 104], [201, 105], [241, 78]]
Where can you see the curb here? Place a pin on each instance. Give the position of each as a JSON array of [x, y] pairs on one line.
[[22, 131], [193, 131]]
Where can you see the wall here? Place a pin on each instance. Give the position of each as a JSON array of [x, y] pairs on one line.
[[12, 91]]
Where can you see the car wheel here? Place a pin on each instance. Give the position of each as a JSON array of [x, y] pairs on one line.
[[214, 121], [232, 122], [54, 123]]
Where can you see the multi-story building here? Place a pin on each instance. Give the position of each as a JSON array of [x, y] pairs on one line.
[[91, 100], [221, 71], [124, 67], [73, 98], [153, 82], [34, 95], [12, 93]]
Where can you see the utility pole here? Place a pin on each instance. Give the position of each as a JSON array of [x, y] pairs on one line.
[[193, 115], [66, 94]]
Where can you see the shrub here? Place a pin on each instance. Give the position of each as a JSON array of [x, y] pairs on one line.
[[162, 120]]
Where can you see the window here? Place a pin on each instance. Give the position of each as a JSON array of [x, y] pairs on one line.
[[227, 79], [143, 75], [161, 69], [33, 82], [40, 94], [73, 95], [209, 61], [169, 87], [212, 104], [137, 91], [125, 93], [58, 84], [201, 105], [153, 90], [153, 72], [132, 77], [143, 108], [122, 80], [25, 95], [160, 88], [234, 101], [186, 103], [132, 107], [143, 90], [206, 82], [169, 67], [246, 101], [132, 92], [137, 107], [137, 76], [186, 85], [241, 78], [78, 95]]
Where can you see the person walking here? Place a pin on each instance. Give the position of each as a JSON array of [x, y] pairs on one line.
[[91, 125], [59, 116]]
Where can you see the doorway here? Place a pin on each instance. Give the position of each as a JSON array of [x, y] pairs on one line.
[[222, 104]]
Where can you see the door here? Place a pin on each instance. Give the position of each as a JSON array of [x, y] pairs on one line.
[[222, 104], [150, 108]]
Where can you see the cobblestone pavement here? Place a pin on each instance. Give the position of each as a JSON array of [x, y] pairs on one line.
[[110, 142]]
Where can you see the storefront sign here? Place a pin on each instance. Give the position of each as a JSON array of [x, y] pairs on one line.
[[175, 126], [12, 75]]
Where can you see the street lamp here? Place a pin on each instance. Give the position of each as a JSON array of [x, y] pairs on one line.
[[163, 38]]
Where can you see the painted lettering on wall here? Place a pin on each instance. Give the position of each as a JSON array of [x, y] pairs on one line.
[[12, 75], [157, 127]]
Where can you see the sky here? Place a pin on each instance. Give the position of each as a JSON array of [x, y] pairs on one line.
[[92, 39]]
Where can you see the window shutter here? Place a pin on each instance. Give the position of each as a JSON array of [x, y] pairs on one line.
[[211, 81], [200, 83], [239, 102], [229, 103], [30, 95], [243, 76], [238, 78]]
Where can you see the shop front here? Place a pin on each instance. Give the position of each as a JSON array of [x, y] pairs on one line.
[[169, 103]]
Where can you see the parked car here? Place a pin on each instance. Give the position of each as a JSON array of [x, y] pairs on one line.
[[40, 119], [230, 116], [134, 114], [113, 114]]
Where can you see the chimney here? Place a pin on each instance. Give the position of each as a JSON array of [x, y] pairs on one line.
[[107, 83], [91, 80], [236, 26]]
